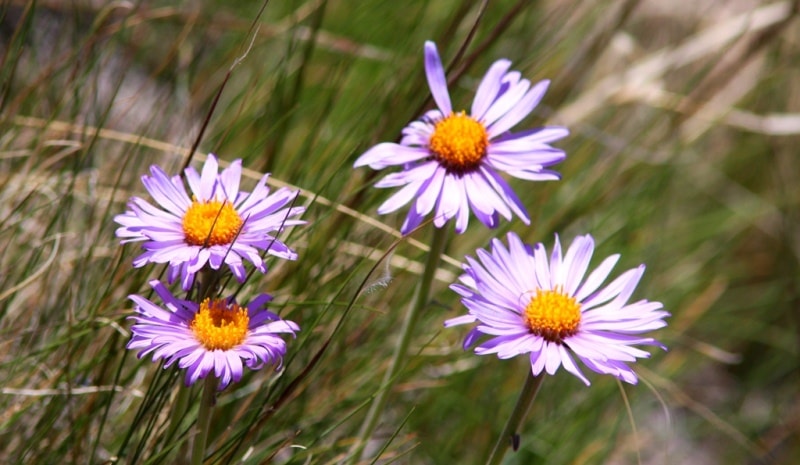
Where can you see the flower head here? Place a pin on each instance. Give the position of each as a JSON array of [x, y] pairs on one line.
[[213, 336], [451, 160], [529, 305], [218, 224]]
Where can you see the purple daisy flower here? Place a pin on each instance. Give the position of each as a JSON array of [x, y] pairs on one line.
[[527, 305], [451, 161], [218, 224], [213, 336]]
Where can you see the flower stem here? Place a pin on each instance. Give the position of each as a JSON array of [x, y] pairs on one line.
[[204, 419], [208, 282], [418, 302], [509, 435]]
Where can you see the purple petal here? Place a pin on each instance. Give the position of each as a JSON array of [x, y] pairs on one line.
[[449, 201], [619, 285], [208, 178], [536, 136], [429, 194], [389, 154], [505, 103], [576, 262], [542, 269], [506, 193], [556, 264], [520, 110], [436, 78], [419, 172], [544, 175], [552, 357], [459, 320], [570, 366], [485, 203], [597, 277], [539, 358], [165, 193], [412, 221], [400, 198], [193, 179], [488, 88], [229, 180]]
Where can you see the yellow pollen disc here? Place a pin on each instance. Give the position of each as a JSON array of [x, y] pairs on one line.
[[552, 315], [218, 326], [211, 223], [459, 142]]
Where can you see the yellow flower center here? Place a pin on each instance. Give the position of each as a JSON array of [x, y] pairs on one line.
[[459, 142], [552, 315], [218, 326], [211, 223]]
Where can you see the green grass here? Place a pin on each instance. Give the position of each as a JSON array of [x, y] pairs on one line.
[[683, 161]]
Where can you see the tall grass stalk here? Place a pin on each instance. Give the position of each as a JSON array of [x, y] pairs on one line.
[[418, 303]]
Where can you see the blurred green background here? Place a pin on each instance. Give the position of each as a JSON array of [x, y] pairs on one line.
[[683, 155]]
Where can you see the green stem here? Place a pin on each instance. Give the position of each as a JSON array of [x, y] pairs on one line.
[[204, 419], [179, 409], [418, 302], [208, 282], [506, 438]]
